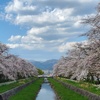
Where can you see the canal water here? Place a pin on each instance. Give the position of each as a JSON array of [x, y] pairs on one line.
[[46, 93]]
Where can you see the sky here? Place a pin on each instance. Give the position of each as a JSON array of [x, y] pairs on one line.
[[43, 29]]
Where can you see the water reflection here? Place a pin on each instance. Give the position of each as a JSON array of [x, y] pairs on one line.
[[46, 93]]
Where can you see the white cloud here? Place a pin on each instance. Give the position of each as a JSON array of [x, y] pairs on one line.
[[31, 42], [13, 45], [14, 38], [35, 30], [81, 1], [70, 45], [66, 46], [78, 24], [19, 6], [85, 1], [51, 23], [54, 16], [25, 46], [31, 39]]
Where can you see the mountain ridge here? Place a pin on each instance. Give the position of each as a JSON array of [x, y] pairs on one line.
[[44, 65]]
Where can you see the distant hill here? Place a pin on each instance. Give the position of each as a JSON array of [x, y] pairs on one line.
[[46, 65]]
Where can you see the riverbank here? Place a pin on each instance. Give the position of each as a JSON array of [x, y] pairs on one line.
[[65, 93], [5, 87], [28, 93], [83, 85]]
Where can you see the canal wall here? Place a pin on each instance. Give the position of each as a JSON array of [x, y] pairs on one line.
[[88, 94], [57, 96], [7, 94], [40, 87]]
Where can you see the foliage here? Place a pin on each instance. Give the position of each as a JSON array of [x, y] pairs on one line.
[[83, 61], [40, 72], [3, 78], [13, 67]]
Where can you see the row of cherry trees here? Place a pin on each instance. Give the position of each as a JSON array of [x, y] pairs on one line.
[[83, 61], [13, 67]]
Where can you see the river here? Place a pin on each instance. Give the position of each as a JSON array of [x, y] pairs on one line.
[[46, 93]]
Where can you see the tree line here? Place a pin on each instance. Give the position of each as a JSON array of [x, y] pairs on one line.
[[13, 67], [83, 61]]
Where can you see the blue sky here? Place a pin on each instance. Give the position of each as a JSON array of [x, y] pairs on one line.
[[43, 29]]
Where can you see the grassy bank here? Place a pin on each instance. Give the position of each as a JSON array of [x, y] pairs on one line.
[[4, 88], [65, 93], [84, 85], [28, 93]]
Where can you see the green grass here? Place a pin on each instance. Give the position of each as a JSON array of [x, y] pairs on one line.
[[28, 93], [65, 93], [4, 88], [84, 85]]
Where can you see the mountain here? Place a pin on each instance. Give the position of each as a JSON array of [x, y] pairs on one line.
[[46, 65]]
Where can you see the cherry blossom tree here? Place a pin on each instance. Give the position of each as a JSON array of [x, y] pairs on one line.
[[83, 61], [13, 67]]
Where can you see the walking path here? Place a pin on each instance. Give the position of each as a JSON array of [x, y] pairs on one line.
[[6, 83]]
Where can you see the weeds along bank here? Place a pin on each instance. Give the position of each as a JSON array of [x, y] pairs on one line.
[[65, 93], [82, 85], [86, 89], [30, 92], [7, 87]]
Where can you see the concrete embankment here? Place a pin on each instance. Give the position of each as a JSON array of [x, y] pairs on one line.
[[7, 94], [88, 94]]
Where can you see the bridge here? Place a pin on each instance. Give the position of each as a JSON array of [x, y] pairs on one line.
[[43, 76]]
